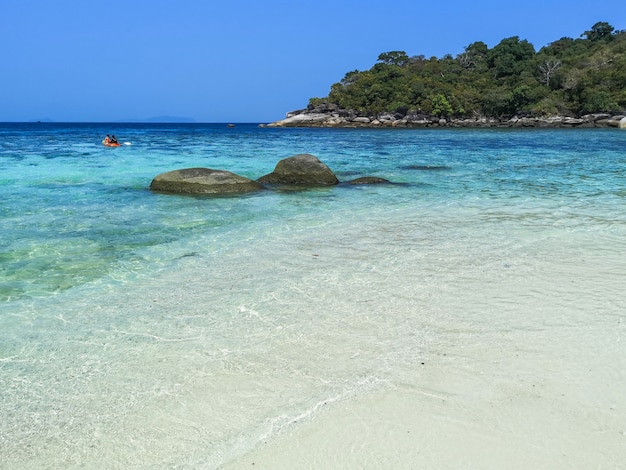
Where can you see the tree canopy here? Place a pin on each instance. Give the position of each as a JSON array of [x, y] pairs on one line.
[[567, 77]]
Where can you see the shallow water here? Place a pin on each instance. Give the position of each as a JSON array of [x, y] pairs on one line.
[[148, 330]]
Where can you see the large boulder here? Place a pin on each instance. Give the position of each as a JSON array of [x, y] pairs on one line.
[[203, 181], [304, 169]]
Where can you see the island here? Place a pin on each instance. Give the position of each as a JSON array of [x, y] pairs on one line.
[[568, 83]]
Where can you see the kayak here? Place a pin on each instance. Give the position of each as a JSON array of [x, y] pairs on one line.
[[110, 144]]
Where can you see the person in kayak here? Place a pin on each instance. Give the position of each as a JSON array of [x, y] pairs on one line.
[[114, 140], [107, 140]]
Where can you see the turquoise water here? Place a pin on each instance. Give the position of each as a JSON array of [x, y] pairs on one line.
[[74, 211], [142, 329]]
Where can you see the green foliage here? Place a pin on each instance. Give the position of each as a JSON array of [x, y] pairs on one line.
[[440, 106], [511, 57], [595, 101], [314, 102], [600, 31], [394, 58], [570, 76]]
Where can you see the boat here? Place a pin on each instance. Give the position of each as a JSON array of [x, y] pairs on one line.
[[110, 144]]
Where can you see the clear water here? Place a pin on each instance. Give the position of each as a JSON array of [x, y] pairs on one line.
[[142, 330]]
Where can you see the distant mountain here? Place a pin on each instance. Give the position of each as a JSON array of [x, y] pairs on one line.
[[165, 119]]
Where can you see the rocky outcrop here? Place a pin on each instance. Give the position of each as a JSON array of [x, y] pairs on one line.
[[304, 169], [297, 172], [328, 116], [203, 181]]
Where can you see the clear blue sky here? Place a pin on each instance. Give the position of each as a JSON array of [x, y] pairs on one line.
[[239, 60]]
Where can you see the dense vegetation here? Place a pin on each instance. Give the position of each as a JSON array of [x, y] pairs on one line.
[[568, 77]]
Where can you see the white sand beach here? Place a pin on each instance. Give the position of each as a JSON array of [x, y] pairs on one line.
[[539, 385]]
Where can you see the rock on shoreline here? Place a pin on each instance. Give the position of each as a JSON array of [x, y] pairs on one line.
[[327, 116]]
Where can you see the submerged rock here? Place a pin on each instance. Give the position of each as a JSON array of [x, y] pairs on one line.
[[203, 181], [303, 169], [369, 180]]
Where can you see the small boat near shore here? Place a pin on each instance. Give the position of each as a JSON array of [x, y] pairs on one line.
[[110, 141]]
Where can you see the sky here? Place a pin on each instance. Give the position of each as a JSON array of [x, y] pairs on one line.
[[239, 60]]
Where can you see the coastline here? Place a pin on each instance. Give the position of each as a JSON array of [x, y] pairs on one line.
[[470, 316], [472, 409], [325, 116], [528, 390]]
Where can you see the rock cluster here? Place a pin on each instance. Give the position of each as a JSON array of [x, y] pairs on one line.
[[329, 116], [299, 172]]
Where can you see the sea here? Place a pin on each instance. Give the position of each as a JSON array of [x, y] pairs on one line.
[[149, 330]]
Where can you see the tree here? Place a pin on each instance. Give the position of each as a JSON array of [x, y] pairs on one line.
[[548, 68], [441, 106], [510, 57], [599, 31], [518, 99], [398, 58], [596, 101], [494, 102], [474, 55]]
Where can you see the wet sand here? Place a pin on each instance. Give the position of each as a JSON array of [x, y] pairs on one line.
[[539, 384], [469, 412]]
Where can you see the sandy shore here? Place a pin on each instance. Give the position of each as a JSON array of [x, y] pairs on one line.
[[540, 387], [467, 413]]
